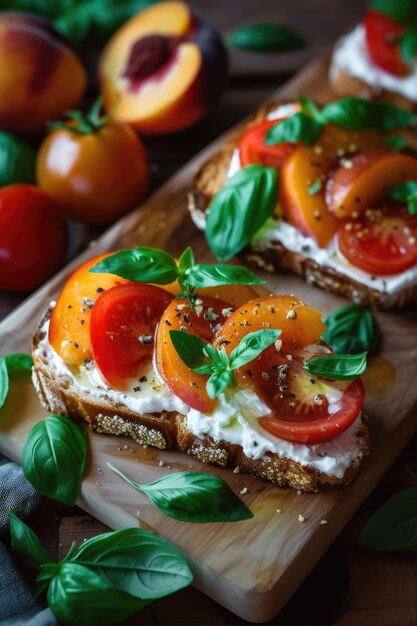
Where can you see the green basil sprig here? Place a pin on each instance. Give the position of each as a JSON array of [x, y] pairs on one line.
[[54, 457], [337, 366], [266, 37], [192, 497], [352, 113], [202, 358], [150, 265], [106, 579], [17, 362], [240, 209], [351, 330], [395, 142], [405, 192], [394, 525]]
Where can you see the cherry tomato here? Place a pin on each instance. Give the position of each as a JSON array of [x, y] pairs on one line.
[[122, 327], [252, 147], [382, 39], [186, 384], [33, 237], [96, 175], [69, 328], [380, 241], [305, 408]]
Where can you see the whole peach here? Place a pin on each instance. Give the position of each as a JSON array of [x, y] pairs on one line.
[[163, 69], [40, 76]]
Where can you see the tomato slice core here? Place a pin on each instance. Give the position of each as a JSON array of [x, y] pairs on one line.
[[122, 328], [382, 35], [381, 241], [252, 147]]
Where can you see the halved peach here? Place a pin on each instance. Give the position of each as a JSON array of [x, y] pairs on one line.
[[308, 211], [361, 185], [163, 69]]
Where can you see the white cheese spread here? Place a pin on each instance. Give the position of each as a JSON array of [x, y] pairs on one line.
[[351, 55], [235, 418]]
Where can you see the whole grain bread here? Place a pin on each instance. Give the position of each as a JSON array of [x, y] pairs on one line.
[[274, 257], [168, 430]]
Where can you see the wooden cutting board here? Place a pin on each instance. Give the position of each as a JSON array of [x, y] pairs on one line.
[[251, 567]]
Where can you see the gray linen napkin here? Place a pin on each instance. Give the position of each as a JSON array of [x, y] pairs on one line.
[[17, 606]]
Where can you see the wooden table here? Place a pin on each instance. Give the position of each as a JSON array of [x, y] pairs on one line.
[[349, 586]]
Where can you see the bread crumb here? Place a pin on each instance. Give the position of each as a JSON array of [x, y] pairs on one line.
[[301, 518], [291, 315], [236, 470], [161, 463], [323, 522], [243, 491], [278, 345], [279, 511], [299, 492]]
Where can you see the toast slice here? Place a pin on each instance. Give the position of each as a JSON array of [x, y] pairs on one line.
[[59, 393], [272, 256]]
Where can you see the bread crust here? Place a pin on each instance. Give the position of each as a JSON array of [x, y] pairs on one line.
[[344, 84], [168, 430]]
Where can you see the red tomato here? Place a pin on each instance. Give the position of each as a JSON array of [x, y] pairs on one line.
[[380, 241], [382, 37], [252, 147], [305, 408], [122, 327], [33, 237], [95, 176], [186, 384]]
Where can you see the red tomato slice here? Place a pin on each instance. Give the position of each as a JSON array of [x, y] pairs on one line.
[[183, 382], [380, 241], [252, 148], [305, 408], [382, 37], [122, 327]]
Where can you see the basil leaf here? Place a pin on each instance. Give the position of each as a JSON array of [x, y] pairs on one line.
[[193, 497], [240, 209], [186, 260], [298, 127], [396, 143], [4, 381], [251, 346], [394, 525], [218, 382], [358, 114], [337, 366], [404, 11], [54, 456], [408, 44], [19, 362], [136, 561], [212, 275], [78, 596], [142, 265], [266, 37], [310, 108], [314, 187], [192, 350], [26, 543], [351, 330], [17, 161], [405, 192]]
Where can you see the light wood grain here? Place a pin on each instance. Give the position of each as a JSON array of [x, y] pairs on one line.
[[251, 567]]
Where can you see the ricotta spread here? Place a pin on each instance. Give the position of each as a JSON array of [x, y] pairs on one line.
[[351, 55], [235, 418]]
